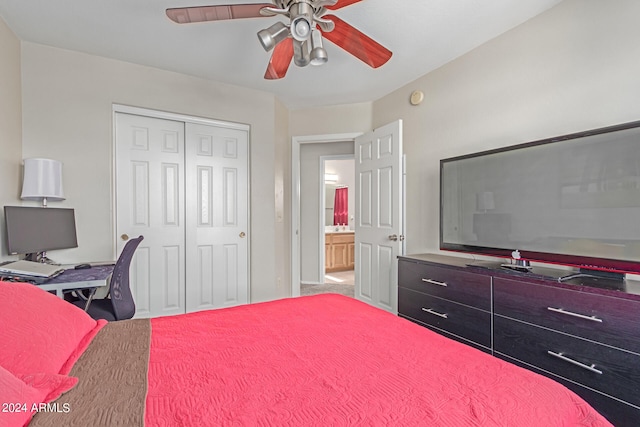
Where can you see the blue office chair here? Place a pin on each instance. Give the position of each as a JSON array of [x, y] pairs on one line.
[[119, 304]]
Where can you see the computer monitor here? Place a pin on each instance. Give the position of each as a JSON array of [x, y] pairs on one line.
[[33, 231]]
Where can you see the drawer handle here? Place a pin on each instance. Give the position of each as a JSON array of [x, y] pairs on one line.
[[561, 356], [435, 313], [434, 282], [569, 313]]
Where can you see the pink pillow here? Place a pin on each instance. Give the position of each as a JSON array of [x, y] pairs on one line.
[[21, 396], [41, 332]]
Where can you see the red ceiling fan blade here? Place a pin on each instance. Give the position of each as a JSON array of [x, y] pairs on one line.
[[357, 43], [342, 3], [185, 15], [280, 60]]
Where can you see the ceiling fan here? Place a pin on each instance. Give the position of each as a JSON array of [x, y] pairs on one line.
[[301, 38]]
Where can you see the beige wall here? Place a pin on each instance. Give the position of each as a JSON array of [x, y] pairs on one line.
[[10, 125], [572, 68], [330, 120], [282, 203], [67, 115]]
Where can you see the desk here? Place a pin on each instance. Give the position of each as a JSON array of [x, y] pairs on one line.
[[93, 277]]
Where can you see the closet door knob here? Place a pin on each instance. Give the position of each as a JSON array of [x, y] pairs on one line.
[[125, 237], [242, 234]]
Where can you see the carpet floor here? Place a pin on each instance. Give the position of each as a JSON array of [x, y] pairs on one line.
[[335, 288], [337, 282]]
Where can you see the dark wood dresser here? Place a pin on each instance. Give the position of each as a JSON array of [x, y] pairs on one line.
[[584, 333]]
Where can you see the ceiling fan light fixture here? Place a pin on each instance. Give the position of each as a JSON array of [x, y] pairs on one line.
[[270, 37], [301, 56], [301, 21], [300, 28], [318, 55]]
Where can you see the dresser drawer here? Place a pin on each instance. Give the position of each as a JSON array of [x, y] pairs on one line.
[[618, 413], [599, 318], [465, 322], [603, 368], [455, 285]]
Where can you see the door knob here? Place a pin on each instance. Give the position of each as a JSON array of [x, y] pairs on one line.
[[242, 234], [393, 237], [125, 237]]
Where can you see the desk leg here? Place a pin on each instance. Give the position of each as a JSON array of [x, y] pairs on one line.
[[91, 294], [59, 293]]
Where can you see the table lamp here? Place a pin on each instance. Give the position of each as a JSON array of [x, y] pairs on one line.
[[42, 180]]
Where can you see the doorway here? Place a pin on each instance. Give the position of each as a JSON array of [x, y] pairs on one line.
[[337, 225], [307, 185], [380, 221]]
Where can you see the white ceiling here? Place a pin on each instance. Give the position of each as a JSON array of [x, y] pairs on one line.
[[422, 34]]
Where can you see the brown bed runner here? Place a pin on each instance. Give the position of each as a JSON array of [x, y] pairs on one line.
[[112, 385]]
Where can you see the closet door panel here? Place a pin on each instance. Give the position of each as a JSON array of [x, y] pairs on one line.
[[150, 202], [216, 214]]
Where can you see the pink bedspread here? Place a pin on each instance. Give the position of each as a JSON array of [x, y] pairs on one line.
[[331, 360]]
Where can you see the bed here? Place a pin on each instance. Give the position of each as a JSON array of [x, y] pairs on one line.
[[316, 360]]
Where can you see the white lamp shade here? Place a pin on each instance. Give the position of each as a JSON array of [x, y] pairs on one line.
[[42, 180]]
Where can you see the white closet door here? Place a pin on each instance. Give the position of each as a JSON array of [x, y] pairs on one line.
[[216, 216], [150, 202]]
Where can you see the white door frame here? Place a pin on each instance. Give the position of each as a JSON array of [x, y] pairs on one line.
[[322, 204], [296, 143]]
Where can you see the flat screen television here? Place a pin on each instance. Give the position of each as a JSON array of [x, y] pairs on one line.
[[571, 200], [33, 230]]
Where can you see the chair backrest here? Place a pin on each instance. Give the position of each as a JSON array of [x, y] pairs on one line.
[[121, 298]]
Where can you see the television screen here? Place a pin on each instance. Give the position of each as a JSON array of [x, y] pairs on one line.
[[31, 229], [571, 200]]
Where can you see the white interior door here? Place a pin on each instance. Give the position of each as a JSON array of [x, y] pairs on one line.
[[379, 215], [150, 201], [216, 217]]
